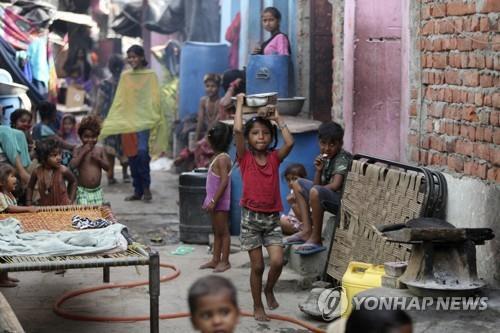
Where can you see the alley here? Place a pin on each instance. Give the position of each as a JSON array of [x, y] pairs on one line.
[[33, 299]]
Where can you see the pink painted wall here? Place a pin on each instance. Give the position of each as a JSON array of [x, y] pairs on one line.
[[376, 61], [349, 21], [377, 78], [405, 79]]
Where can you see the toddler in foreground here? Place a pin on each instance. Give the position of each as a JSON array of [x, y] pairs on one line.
[[213, 305]]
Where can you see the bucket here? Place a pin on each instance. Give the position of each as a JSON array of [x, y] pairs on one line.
[[360, 276], [194, 222]]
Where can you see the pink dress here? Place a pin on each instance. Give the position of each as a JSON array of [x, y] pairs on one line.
[[212, 184]]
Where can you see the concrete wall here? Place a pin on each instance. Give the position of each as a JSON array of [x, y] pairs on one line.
[[472, 203], [302, 66], [338, 61]]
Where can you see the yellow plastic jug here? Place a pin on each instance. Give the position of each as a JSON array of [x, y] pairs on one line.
[[358, 277]]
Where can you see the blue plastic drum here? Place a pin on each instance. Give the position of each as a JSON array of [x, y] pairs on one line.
[[268, 73], [198, 59], [9, 104]]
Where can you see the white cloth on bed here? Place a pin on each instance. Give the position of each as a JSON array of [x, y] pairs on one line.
[[15, 242]]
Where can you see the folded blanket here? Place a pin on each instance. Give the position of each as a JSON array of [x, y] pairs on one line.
[[14, 242]]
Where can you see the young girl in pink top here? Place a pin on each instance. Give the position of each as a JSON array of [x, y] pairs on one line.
[[260, 201], [218, 196], [278, 43]]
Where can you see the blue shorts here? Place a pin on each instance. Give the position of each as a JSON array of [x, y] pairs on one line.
[[329, 200]]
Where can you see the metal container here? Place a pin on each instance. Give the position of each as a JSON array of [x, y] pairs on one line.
[[290, 106], [194, 222]]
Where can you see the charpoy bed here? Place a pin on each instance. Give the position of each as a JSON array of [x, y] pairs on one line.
[[58, 218]]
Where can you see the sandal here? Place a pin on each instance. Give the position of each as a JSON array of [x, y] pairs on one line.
[[293, 240], [310, 248], [133, 197]]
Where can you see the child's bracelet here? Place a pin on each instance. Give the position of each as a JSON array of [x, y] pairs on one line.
[[283, 126]]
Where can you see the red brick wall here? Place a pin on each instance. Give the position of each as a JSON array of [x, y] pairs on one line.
[[455, 103]]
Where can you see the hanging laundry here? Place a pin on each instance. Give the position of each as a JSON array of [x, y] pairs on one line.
[[233, 37], [8, 62], [14, 29], [38, 59]]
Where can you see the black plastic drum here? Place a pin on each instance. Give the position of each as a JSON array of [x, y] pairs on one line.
[[195, 224]]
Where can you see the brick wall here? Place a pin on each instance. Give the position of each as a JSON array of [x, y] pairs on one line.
[[455, 92]]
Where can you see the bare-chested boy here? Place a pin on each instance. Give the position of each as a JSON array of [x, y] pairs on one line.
[[89, 160]]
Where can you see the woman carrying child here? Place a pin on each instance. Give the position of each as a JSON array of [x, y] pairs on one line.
[[218, 197], [260, 201], [50, 177], [8, 204], [278, 43]]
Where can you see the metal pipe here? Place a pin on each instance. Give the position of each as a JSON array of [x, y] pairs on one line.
[[154, 292]]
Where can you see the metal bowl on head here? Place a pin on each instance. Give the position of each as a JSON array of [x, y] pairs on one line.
[[290, 106], [257, 100]]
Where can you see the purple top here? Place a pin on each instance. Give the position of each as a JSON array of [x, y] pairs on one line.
[[212, 185]]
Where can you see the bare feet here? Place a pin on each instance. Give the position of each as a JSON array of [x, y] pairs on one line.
[[260, 314], [272, 303], [211, 264], [222, 267], [7, 284]]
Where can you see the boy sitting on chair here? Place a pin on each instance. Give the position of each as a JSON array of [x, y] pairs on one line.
[[313, 197]]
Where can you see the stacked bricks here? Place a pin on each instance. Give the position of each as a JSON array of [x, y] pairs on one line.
[[455, 113]]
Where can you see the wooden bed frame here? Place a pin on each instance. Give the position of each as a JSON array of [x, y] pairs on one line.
[[58, 218]]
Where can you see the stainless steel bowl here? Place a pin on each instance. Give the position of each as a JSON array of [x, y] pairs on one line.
[[290, 106], [259, 99]]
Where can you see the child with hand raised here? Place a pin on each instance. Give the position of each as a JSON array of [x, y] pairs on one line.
[[261, 202]]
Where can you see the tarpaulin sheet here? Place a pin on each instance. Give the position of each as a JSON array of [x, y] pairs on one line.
[[8, 62]]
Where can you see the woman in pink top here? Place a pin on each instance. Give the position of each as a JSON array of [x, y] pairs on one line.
[[278, 44]]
